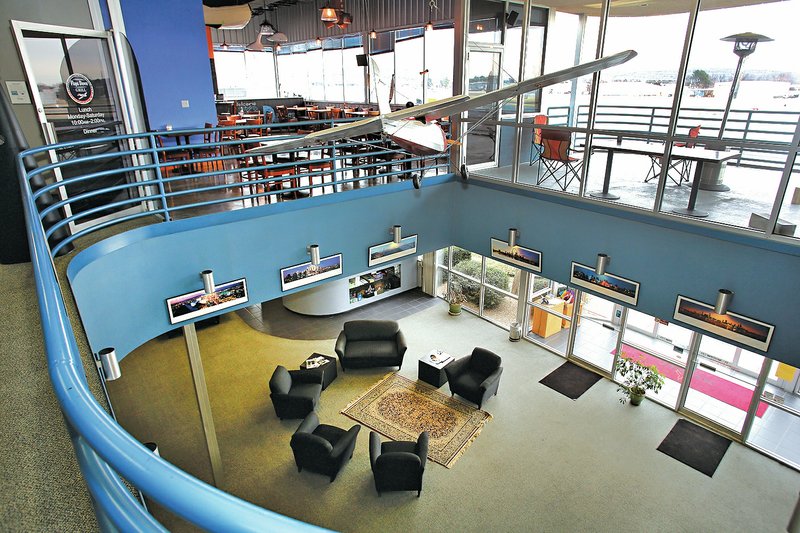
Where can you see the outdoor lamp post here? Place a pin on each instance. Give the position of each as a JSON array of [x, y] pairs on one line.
[[744, 44]]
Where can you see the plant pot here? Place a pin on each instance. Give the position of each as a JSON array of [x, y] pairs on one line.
[[455, 309], [636, 398]]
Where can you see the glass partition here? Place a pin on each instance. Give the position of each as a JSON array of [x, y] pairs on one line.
[[596, 330], [789, 214], [777, 430], [549, 313]]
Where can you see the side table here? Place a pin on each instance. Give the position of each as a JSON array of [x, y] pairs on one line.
[[329, 371], [431, 371]]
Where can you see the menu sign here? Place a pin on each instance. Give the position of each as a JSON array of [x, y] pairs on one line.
[[80, 89]]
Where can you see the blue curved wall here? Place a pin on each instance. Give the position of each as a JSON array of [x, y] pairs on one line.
[[121, 284]]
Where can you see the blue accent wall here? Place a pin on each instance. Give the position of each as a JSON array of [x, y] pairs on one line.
[[121, 284], [169, 41]]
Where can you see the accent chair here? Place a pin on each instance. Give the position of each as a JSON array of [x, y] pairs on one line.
[[398, 465], [476, 376], [322, 448], [294, 393]]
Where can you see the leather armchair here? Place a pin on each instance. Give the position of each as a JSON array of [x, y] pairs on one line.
[[371, 343], [294, 393], [476, 376], [398, 465], [322, 448]]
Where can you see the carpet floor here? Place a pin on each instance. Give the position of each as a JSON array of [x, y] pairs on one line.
[[401, 409]]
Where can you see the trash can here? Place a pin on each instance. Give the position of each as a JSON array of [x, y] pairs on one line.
[[515, 333]]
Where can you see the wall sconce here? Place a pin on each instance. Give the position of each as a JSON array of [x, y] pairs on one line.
[[313, 251], [397, 234], [513, 235], [723, 300], [108, 360], [208, 281], [602, 263]]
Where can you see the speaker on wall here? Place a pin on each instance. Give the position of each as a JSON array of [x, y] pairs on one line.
[[511, 18], [361, 59]]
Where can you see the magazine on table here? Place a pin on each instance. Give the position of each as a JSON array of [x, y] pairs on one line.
[[314, 362], [438, 358]]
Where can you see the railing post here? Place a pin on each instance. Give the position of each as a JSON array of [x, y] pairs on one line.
[[154, 150]]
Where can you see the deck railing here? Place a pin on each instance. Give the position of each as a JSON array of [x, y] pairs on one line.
[[144, 176]]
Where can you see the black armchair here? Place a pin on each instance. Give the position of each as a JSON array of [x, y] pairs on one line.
[[398, 465], [371, 343], [476, 376], [294, 393], [322, 448]]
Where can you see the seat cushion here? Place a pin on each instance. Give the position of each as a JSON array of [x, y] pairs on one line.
[[382, 350], [329, 433], [398, 446], [306, 390], [468, 381]]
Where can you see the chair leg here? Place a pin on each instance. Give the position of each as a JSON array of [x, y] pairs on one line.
[[419, 492]]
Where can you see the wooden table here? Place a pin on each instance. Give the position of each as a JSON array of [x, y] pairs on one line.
[[543, 320], [697, 154]]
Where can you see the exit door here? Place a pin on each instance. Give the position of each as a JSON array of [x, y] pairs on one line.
[[74, 80]]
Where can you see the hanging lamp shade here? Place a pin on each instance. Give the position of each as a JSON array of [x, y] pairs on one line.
[[257, 45], [328, 14], [345, 19], [279, 37]]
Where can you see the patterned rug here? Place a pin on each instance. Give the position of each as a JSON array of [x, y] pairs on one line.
[[401, 409]]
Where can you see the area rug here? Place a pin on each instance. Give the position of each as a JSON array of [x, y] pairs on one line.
[[570, 380], [702, 381], [695, 446], [401, 409]]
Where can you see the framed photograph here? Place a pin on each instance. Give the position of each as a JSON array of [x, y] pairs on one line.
[[305, 273], [198, 303], [517, 255], [389, 251], [735, 327], [624, 290]]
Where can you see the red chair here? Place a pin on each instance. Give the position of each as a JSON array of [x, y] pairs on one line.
[[536, 139], [683, 167], [556, 157]]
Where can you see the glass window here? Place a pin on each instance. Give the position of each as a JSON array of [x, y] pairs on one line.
[[549, 312], [353, 75], [777, 429], [596, 330], [293, 75], [409, 63], [260, 74], [229, 67], [332, 71], [789, 215], [439, 45], [316, 83]]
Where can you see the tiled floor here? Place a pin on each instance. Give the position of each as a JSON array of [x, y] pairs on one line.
[[273, 318]]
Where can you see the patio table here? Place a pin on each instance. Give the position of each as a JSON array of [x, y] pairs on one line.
[[697, 154]]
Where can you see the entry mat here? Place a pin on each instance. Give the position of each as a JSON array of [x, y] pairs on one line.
[[570, 380], [695, 446]]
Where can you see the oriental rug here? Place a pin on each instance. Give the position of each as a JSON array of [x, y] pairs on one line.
[[401, 409]]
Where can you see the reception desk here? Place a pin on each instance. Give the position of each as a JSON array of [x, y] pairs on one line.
[[543, 322]]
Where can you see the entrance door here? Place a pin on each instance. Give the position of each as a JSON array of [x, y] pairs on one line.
[[74, 79], [484, 76]]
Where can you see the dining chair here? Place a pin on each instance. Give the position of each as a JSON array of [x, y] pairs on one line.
[[680, 170], [556, 157]]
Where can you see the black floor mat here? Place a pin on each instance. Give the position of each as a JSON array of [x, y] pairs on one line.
[[570, 380], [695, 446]]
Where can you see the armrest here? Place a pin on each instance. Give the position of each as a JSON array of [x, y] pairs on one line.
[[346, 441], [422, 448], [341, 342], [301, 376], [491, 378], [401, 344], [374, 448], [456, 367], [309, 423]]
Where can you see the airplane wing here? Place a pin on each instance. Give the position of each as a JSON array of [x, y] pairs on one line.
[[361, 127], [459, 104]]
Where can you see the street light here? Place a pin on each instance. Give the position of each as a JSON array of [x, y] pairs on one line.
[[744, 44]]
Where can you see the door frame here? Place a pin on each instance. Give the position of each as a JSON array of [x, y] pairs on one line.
[[18, 27]]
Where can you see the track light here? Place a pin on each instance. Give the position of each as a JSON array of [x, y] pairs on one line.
[[723, 300], [602, 263], [313, 251], [208, 281], [397, 234], [513, 234], [373, 34], [108, 360]]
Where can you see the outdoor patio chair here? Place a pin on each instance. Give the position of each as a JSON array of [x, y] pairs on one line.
[[680, 170], [536, 139], [556, 158]]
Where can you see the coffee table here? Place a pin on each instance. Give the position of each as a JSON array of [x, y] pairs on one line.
[[328, 371], [431, 368]]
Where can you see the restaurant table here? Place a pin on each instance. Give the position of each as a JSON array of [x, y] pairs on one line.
[[355, 113], [697, 154]]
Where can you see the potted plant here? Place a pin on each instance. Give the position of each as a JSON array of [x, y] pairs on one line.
[[638, 379], [455, 297]]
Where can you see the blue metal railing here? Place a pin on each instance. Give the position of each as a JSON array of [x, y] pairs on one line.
[[104, 450]]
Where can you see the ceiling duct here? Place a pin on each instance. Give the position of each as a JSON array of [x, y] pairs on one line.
[[227, 17]]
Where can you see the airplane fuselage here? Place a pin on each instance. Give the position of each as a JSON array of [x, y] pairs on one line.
[[416, 137]]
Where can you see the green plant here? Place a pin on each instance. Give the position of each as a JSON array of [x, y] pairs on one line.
[[455, 295], [495, 277], [460, 255], [638, 378]]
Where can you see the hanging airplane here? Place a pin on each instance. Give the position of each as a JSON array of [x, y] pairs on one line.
[[415, 128]]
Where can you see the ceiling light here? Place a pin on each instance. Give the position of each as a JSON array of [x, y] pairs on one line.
[[257, 45], [373, 34], [279, 37], [723, 301], [328, 14], [318, 41], [429, 26], [602, 263], [345, 19]]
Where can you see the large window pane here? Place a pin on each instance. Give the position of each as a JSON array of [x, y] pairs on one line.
[[790, 209], [439, 63], [471, 290], [673, 373], [777, 431], [316, 83], [353, 75], [465, 263], [334, 81], [409, 63], [596, 330]]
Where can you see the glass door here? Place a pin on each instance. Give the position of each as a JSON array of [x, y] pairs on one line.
[[549, 313], [596, 330], [74, 77], [482, 140]]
